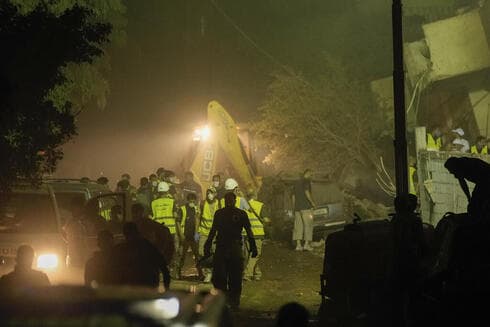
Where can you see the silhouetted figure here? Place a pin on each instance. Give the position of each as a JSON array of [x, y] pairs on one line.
[[23, 277], [100, 267], [74, 233], [144, 194], [292, 315], [158, 234], [409, 249], [92, 220], [139, 263], [228, 267], [478, 172], [189, 185], [189, 215]]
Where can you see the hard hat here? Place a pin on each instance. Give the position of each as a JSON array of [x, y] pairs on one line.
[[163, 187], [230, 184], [458, 131]]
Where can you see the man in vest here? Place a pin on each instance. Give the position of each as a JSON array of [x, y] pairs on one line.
[[231, 186], [254, 213], [480, 147], [189, 216], [164, 212], [434, 139], [208, 208]]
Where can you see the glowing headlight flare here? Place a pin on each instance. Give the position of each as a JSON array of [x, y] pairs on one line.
[[201, 134], [168, 308], [47, 261], [205, 133]]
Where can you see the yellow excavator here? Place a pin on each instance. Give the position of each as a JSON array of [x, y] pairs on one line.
[[218, 149]]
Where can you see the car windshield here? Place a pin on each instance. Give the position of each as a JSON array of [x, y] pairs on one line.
[[27, 213]]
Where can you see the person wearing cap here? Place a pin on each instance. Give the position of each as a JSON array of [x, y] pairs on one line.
[[257, 220], [164, 212], [231, 186], [461, 144], [208, 208], [480, 147]]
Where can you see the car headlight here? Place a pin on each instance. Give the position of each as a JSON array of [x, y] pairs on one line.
[[47, 261]]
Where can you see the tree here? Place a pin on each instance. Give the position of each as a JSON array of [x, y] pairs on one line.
[[85, 84], [328, 123], [34, 48]]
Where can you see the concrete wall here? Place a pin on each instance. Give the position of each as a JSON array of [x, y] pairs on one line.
[[439, 191]]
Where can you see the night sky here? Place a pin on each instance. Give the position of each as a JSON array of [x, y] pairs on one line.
[[179, 55]]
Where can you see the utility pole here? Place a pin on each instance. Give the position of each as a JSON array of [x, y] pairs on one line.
[[400, 142]]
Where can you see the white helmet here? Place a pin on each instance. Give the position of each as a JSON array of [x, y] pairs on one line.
[[230, 184], [163, 187]]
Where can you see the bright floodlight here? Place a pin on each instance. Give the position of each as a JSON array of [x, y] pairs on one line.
[[205, 133], [47, 261]]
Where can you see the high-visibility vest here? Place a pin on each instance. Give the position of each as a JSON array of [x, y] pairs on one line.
[[255, 223], [207, 216], [106, 214], [474, 150], [238, 202], [163, 212], [433, 144], [411, 184]]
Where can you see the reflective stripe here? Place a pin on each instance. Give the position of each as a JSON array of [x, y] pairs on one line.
[[162, 209]]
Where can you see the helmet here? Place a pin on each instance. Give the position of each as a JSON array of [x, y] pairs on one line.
[[163, 187], [230, 184]]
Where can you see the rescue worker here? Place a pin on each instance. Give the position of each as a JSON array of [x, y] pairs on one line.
[[144, 194], [208, 209], [23, 277], [189, 222], [476, 171], [303, 212], [231, 186], [257, 221], [164, 212], [189, 185], [218, 185], [154, 185], [480, 147], [227, 227], [138, 262], [434, 139], [99, 268], [158, 234], [103, 181], [459, 143]]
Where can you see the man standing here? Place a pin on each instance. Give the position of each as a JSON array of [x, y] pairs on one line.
[[23, 276], [228, 258], [303, 213], [99, 268], [189, 215], [190, 186], [218, 186], [138, 262], [158, 234], [208, 209], [144, 194], [164, 212], [254, 213]]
